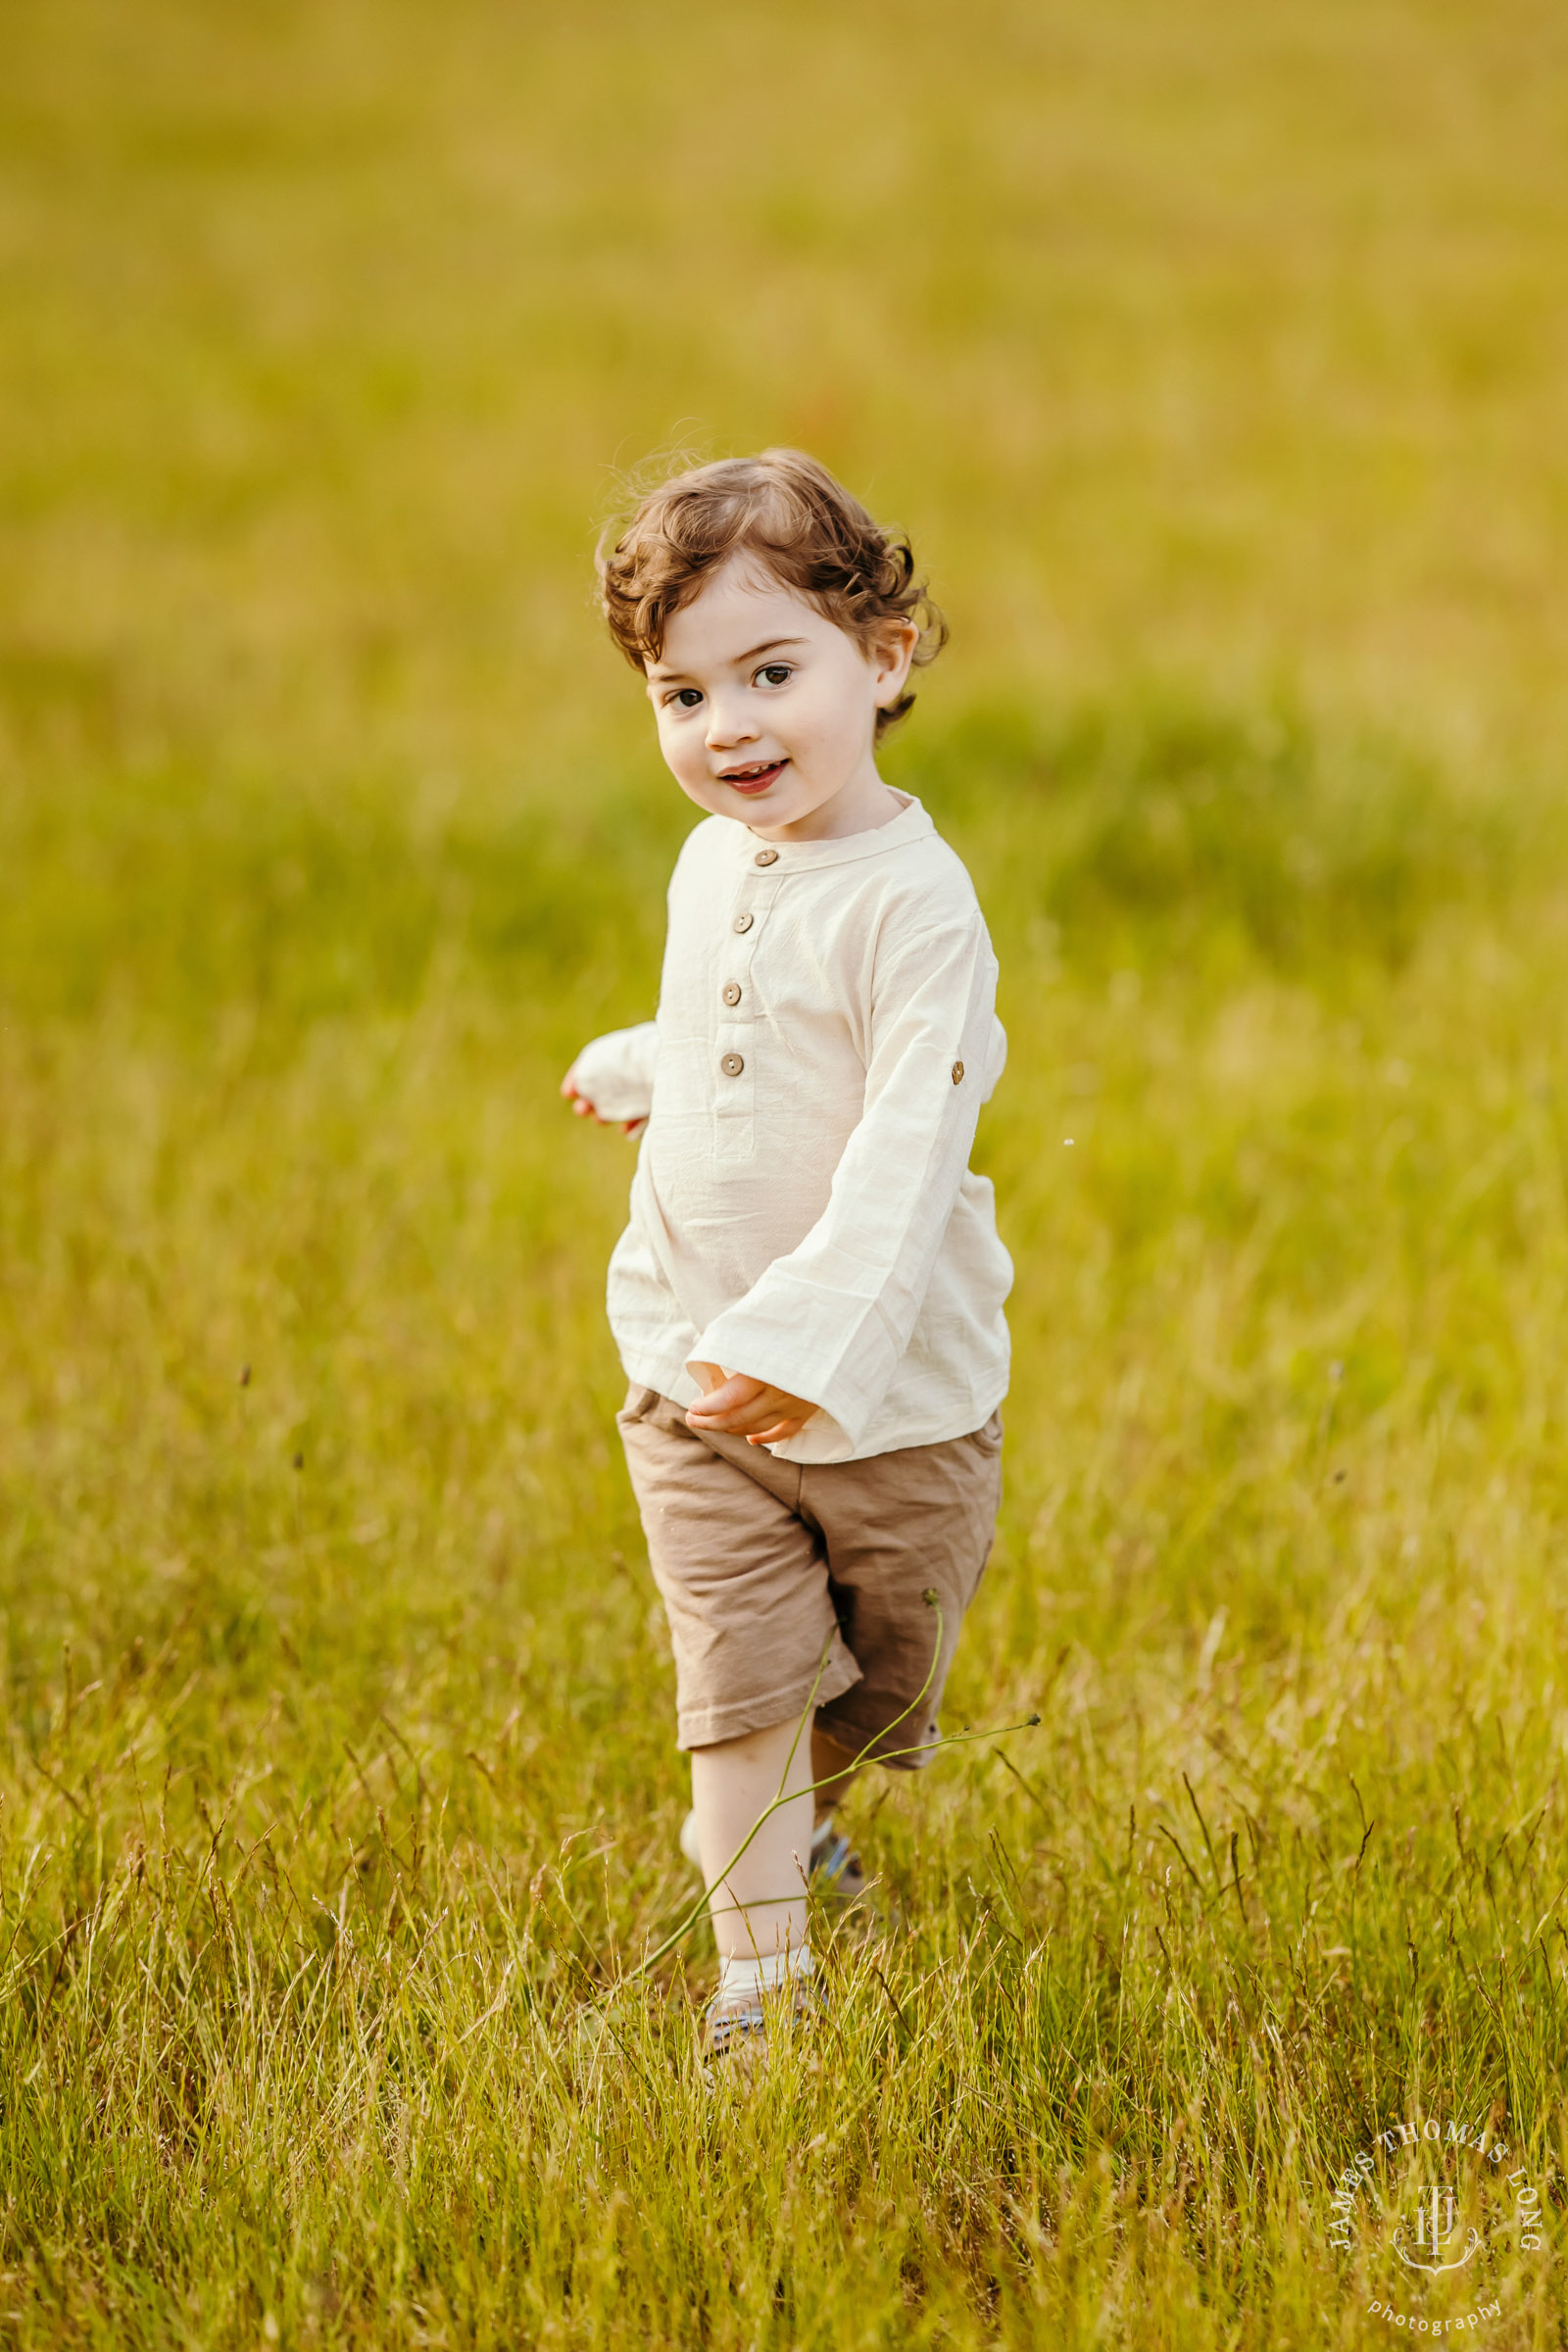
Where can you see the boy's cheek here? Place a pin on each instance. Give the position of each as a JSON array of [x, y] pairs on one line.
[[688, 767], [667, 738]]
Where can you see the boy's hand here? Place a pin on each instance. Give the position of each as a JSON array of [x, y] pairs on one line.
[[582, 1108], [743, 1408]]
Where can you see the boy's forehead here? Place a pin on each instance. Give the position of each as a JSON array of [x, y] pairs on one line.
[[739, 608]]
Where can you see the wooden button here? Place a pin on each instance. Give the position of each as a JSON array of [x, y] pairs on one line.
[[732, 992], [766, 858], [957, 1074], [744, 922], [732, 1065]]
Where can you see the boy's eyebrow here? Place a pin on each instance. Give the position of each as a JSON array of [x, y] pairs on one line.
[[769, 645]]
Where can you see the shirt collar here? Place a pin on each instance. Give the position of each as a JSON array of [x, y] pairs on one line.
[[910, 824]]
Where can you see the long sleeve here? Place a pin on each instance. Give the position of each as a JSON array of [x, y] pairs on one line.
[[615, 1072], [832, 1319], [995, 1058]]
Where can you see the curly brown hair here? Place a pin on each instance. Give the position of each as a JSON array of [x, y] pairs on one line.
[[803, 528]]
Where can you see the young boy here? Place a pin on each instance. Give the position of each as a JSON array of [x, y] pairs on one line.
[[808, 1296]]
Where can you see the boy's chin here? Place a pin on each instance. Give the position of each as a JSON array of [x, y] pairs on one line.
[[782, 804], [764, 807]]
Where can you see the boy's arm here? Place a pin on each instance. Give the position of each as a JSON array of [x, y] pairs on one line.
[[831, 1320], [612, 1080]]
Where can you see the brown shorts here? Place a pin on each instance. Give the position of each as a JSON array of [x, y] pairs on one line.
[[766, 1566]]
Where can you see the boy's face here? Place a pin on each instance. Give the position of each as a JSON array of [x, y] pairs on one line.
[[766, 709]]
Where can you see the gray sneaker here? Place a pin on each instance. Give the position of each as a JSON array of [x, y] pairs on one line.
[[737, 2030]]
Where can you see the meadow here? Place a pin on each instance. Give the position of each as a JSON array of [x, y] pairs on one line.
[[1217, 359]]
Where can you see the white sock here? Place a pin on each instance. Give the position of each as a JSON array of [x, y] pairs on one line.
[[738, 1978]]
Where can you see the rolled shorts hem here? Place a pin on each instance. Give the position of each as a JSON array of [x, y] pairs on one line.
[[705, 1727]]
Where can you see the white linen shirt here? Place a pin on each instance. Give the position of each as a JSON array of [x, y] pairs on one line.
[[803, 1210]]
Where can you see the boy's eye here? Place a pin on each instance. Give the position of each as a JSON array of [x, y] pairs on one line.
[[685, 698], [775, 673]]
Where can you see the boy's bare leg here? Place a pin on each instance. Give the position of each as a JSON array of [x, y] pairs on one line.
[[761, 1907], [834, 1768]]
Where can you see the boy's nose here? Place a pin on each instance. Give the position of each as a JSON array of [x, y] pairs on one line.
[[727, 728]]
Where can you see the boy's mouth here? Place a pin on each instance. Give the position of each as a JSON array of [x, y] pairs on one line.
[[756, 778]]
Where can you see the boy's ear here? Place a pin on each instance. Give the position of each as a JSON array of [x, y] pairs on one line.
[[892, 653]]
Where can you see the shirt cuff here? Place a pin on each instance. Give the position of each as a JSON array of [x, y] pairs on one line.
[[812, 1344], [615, 1072]]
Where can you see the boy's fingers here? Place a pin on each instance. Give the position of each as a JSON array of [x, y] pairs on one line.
[[742, 1407], [746, 1420], [733, 1404], [738, 1422]]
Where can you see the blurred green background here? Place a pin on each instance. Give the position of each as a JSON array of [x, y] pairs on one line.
[[1224, 341], [1218, 346]]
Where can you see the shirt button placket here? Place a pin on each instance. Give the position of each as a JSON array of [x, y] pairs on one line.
[[734, 1023], [733, 1075]]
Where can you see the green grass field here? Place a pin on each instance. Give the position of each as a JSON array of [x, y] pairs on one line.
[[1217, 358]]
